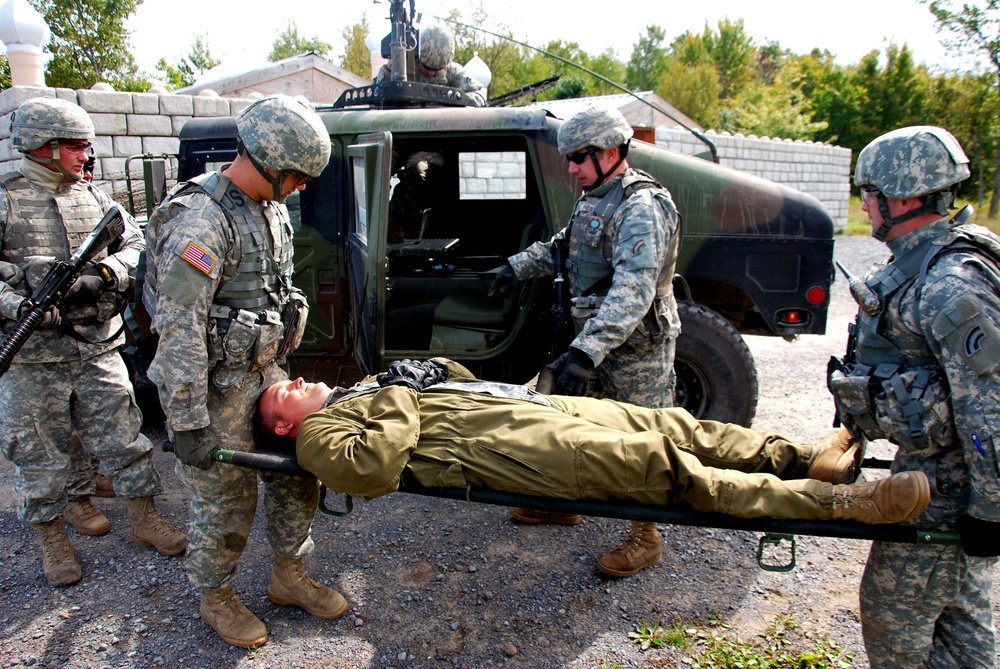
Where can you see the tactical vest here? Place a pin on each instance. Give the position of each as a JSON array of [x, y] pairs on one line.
[[45, 224], [260, 280], [890, 379], [591, 247], [248, 317], [590, 250]]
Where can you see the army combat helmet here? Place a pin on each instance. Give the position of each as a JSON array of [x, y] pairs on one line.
[[41, 121], [594, 129], [283, 133], [437, 47], [918, 161]]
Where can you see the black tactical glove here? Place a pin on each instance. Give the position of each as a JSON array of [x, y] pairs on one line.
[[415, 374], [571, 371], [53, 318], [980, 538], [505, 278], [194, 447], [89, 286]]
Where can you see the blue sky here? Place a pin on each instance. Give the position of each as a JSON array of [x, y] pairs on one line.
[[242, 33]]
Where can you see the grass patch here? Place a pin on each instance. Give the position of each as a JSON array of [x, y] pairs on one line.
[[782, 646], [857, 220]]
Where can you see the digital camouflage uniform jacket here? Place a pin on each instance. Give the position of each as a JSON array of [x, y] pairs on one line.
[[640, 240]]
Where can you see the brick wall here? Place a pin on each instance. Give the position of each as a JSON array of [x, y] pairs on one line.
[[821, 170]]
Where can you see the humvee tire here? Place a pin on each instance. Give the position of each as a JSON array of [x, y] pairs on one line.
[[716, 375]]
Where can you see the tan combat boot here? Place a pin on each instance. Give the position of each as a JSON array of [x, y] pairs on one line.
[[150, 528], [537, 517], [105, 488], [640, 550], [837, 460], [58, 559], [85, 518], [291, 586], [223, 611], [893, 499]]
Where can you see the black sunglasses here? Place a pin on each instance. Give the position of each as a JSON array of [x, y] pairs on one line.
[[580, 156]]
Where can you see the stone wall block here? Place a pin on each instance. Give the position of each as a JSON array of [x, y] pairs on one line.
[[142, 125], [127, 146], [145, 103], [168, 145], [204, 106], [105, 102], [109, 124], [176, 105], [11, 98]]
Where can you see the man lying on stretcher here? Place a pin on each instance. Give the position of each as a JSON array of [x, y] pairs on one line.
[[451, 429]]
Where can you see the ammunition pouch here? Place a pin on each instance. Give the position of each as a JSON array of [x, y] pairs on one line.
[[908, 406], [587, 306], [239, 342], [294, 317]]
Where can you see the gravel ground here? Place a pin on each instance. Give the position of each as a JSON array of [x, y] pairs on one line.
[[438, 583]]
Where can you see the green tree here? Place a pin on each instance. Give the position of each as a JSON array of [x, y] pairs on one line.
[[975, 29], [647, 61], [734, 54], [692, 88], [4, 73], [357, 58], [289, 43], [90, 44], [775, 110], [502, 55], [188, 69]]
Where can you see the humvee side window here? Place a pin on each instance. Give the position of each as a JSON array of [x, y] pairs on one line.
[[360, 199], [492, 175]]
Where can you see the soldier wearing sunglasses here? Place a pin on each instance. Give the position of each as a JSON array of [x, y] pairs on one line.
[[620, 247]]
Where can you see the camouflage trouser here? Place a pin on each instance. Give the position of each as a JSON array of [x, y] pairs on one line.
[[84, 468], [639, 372], [43, 405], [224, 497], [927, 606]]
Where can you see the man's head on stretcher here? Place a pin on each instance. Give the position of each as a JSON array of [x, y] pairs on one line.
[[284, 405]]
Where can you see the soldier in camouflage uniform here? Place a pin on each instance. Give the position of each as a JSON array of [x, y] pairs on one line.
[[435, 64], [67, 394], [923, 371], [621, 251], [220, 294]]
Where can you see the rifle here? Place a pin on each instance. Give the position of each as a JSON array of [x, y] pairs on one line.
[[560, 340], [59, 278]]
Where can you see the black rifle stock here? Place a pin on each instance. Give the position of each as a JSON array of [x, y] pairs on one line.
[[59, 278]]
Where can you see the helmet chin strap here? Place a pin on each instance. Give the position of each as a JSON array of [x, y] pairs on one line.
[[601, 175], [274, 181], [54, 161], [934, 204]]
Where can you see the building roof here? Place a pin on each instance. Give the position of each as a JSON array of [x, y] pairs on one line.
[[225, 79], [634, 107]]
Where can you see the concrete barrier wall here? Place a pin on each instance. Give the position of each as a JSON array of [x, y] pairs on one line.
[[821, 170]]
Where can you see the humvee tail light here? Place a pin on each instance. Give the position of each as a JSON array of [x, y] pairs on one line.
[[816, 295], [795, 317]]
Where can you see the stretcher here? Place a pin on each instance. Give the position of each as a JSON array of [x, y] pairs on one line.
[[776, 530]]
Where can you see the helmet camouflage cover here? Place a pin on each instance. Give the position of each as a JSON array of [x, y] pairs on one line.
[[437, 47], [283, 133], [912, 162], [40, 120], [600, 128]]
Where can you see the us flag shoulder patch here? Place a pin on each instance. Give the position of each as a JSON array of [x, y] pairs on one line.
[[198, 257]]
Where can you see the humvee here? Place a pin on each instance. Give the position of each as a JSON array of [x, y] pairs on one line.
[[755, 257]]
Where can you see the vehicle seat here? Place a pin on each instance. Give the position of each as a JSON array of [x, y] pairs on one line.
[[479, 322]]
